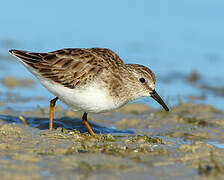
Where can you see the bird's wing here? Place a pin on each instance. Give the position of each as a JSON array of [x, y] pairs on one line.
[[70, 67]]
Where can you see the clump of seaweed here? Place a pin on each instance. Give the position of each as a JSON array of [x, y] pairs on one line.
[[109, 144]]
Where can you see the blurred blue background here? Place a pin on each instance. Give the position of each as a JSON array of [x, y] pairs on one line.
[[174, 38]]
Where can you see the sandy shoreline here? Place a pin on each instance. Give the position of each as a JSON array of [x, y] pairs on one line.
[[185, 143]]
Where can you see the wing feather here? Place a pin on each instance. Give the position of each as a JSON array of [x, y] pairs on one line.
[[70, 67]]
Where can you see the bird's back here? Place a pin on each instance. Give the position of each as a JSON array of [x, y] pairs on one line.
[[70, 67]]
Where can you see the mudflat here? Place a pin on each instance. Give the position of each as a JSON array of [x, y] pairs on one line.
[[135, 142]]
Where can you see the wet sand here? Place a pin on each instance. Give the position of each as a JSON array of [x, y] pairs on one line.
[[135, 142]]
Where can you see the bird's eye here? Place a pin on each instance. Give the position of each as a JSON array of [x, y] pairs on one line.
[[142, 80]]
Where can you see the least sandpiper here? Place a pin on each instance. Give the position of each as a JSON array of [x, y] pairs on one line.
[[90, 80]]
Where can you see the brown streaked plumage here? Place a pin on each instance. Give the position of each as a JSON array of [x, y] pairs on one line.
[[90, 80]]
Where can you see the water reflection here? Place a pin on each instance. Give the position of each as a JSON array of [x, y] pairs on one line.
[[65, 122]]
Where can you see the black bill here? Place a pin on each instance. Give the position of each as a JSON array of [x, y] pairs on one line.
[[155, 96]]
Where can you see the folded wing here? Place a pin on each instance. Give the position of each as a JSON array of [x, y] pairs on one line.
[[69, 67]]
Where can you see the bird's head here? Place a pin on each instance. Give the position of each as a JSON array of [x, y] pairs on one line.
[[143, 83]]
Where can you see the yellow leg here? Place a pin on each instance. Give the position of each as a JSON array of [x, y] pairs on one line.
[[51, 113], [84, 119]]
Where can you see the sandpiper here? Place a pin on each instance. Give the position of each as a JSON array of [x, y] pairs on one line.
[[91, 80]]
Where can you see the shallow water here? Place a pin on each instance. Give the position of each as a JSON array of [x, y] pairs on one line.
[[181, 41], [172, 38], [217, 144]]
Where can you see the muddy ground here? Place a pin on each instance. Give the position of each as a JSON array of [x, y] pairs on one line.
[[135, 142]]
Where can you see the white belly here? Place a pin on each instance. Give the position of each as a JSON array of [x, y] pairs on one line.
[[90, 99], [93, 98]]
